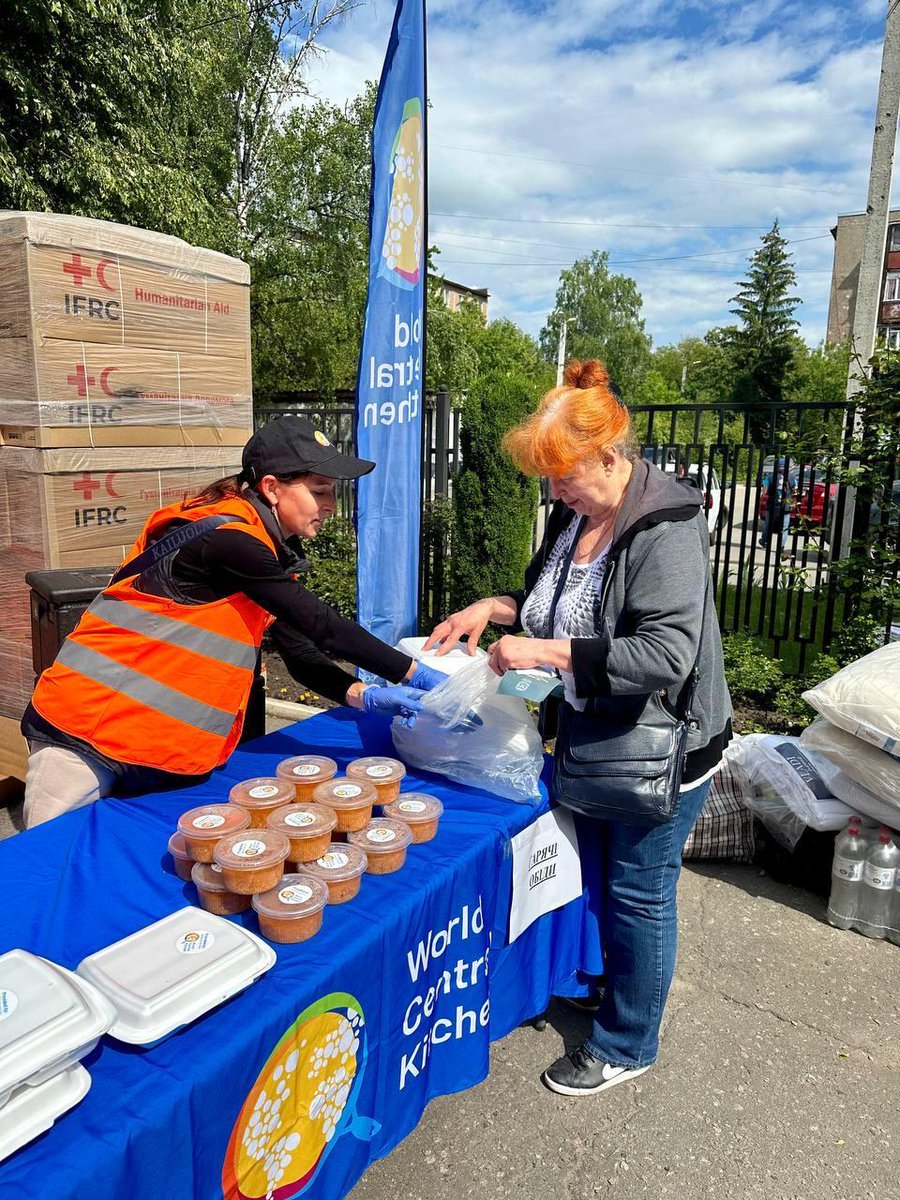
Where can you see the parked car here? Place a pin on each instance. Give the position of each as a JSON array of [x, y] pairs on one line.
[[704, 477], [814, 500]]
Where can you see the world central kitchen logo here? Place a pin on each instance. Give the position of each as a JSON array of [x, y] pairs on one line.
[[84, 278]]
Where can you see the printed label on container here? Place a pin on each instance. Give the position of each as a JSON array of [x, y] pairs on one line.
[[210, 821], [381, 835], [248, 849], [333, 860], [381, 771], [848, 868], [300, 818], [215, 867], [879, 877], [346, 791], [8, 1003], [297, 893], [307, 769], [194, 943], [412, 806], [263, 792]]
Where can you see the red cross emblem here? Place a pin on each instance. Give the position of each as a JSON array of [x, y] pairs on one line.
[[81, 380], [77, 270], [86, 485]]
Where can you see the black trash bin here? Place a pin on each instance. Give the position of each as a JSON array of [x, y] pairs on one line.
[[58, 598]]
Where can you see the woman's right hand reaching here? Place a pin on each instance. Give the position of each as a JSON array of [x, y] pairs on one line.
[[471, 621]]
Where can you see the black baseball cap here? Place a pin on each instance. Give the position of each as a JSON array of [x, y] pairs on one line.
[[291, 446]]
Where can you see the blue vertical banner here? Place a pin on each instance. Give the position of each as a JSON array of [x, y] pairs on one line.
[[390, 384]]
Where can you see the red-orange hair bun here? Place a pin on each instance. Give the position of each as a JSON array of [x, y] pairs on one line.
[[573, 423], [590, 373]]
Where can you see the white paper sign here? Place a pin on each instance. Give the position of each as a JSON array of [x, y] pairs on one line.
[[546, 869]]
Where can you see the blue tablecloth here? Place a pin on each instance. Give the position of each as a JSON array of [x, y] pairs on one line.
[[389, 1005]]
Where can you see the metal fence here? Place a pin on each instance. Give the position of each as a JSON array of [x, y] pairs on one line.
[[773, 489]]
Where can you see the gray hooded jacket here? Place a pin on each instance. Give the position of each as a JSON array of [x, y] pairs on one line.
[[648, 633]]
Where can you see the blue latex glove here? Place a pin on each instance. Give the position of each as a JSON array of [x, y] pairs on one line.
[[425, 678], [394, 700]]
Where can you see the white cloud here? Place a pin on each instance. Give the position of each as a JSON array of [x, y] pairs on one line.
[[635, 114]]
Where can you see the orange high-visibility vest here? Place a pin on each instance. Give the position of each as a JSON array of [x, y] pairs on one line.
[[148, 681]]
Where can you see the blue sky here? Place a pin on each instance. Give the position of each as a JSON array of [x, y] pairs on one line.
[[669, 133]]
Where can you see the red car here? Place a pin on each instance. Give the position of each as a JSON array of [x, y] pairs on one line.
[[812, 495]]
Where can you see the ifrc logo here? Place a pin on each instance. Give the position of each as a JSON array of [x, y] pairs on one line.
[[80, 271], [82, 380], [87, 485]]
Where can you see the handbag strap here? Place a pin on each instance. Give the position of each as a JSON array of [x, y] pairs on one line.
[[170, 544]]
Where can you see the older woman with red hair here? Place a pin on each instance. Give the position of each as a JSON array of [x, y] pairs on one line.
[[619, 602]]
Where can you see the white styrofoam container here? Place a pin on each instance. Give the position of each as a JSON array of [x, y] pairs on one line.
[[448, 663], [173, 971], [49, 1019], [31, 1111]]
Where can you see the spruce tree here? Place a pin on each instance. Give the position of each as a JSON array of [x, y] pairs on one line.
[[763, 344]]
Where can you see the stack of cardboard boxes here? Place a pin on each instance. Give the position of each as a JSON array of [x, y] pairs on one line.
[[124, 385]]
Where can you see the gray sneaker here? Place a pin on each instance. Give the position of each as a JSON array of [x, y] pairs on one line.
[[580, 1074]]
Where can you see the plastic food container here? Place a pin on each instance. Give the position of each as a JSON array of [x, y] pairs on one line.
[[384, 842], [180, 857], [292, 912], [49, 1019], [341, 868], [306, 772], [214, 896], [252, 861], [307, 827], [202, 828], [31, 1111], [259, 797], [420, 812], [173, 971], [350, 799], [385, 773]]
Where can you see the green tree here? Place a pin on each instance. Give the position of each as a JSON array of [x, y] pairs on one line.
[[605, 322], [763, 344]]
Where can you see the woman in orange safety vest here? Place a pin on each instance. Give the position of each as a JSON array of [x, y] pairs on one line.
[[150, 689]]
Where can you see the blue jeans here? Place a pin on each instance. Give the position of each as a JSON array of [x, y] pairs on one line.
[[638, 928]]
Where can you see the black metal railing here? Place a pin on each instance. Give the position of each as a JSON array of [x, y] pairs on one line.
[[774, 491]]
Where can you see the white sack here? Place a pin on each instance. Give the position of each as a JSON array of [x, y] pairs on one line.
[[874, 769], [864, 698]]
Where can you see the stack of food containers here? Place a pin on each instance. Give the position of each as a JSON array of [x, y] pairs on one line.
[[124, 386], [49, 1020]]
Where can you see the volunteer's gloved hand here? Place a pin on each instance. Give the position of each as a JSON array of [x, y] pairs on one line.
[[425, 678], [393, 701]]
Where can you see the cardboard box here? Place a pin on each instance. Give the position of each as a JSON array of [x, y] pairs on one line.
[[63, 502], [13, 749], [93, 281], [92, 392]]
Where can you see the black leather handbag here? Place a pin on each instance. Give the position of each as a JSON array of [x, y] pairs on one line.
[[621, 761]]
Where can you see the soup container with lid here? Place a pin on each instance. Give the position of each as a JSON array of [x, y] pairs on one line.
[[169, 973], [305, 772], [384, 842], [341, 868], [307, 827], [419, 811], [292, 911], [350, 799], [214, 896], [31, 1111], [202, 828], [384, 773], [180, 857], [252, 861], [261, 796]]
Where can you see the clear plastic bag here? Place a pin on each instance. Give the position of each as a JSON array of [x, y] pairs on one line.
[[876, 770], [786, 786], [470, 734]]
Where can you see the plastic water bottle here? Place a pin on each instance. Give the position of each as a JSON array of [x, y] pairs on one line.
[[894, 931], [879, 875], [847, 876]]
